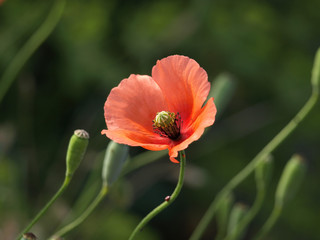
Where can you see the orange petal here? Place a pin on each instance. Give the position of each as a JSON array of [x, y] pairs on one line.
[[204, 119], [184, 85], [136, 139], [173, 155], [130, 109]]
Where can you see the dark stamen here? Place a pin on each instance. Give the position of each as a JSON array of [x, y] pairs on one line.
[[167, 124]]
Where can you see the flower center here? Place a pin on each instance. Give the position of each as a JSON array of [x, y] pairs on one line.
[[167, 124]]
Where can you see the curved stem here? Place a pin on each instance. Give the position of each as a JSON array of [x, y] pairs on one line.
[[103, 192], [271, 146], [31, 46], [270, 222], [167, 202], [45, 208]]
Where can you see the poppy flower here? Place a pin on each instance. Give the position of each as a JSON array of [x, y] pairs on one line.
[[164, 111]]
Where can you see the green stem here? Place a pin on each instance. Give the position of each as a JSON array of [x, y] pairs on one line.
[[271, 146], [137, 162], [31, 46], [166, 203], [270, 222], [45, 208], [103, 192]]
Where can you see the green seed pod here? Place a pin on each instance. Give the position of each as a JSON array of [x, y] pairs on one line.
[[76, 150], [263, 171], [292, 176], [28, 236], [116, 155], [237, 213]]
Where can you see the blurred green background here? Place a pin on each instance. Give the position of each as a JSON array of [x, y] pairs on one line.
[[267, 46]]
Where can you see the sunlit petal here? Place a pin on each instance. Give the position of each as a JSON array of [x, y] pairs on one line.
[[131, 107], [184, 85]]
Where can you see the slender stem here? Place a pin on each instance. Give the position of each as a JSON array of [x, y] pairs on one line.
[[167, 202], [31, 46], [137, 162], [45, 208], [103, 192], [271, 146], [141, 160], [270, 222]]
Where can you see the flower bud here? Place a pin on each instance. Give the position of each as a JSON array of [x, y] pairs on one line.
[[263, 171], [291, 178], [236, 215], [76, 150], [115, 156], [28, 236]]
